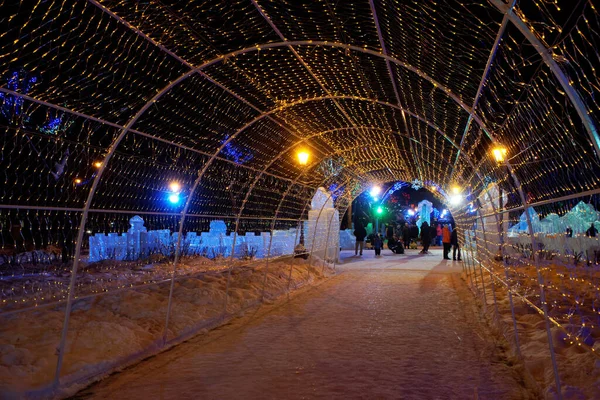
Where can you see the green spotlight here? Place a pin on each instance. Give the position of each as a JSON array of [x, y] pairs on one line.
[[379, 210]]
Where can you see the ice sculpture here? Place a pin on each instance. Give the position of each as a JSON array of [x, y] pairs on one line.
[[580, 217], [552, 224], [522, 227], [424, 209], [322, 228], [137, 242]]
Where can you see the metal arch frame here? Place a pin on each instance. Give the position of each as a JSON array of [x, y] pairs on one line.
[[546, 54], [484, 77], [575, 99], [240, 130], [85, 212], [137, 132], [390, 72], [320, 98], [302, 62]]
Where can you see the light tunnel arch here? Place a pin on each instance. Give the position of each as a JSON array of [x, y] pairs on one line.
[[130, 125]]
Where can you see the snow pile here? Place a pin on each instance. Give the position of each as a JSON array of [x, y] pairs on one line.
[[115, 328], [572, 304]]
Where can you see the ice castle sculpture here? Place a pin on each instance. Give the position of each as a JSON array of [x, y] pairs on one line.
[[139, 242], [521, 226], [579, 218]]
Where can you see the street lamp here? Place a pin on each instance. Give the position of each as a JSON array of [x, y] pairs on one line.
[[175, 187], [303, 157], [499, 152], [456, 198], [375, 190]]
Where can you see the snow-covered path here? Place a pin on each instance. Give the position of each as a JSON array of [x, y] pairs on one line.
[[401, 326]]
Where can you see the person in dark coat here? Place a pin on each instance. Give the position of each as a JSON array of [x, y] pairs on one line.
[[592, 231], [414, 232], [455, 244], [377, 243], [433, 232], [425, 237], [569, 231], [395, 245], [389, 231], [360, 233], [406, 235]]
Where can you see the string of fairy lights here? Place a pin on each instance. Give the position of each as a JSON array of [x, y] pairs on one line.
[[258, 107]]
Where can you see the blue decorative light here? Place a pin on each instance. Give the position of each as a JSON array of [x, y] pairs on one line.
[[55, 125], [235, 153], [416, 184], [333, 189], [18, 81], [174, 198]]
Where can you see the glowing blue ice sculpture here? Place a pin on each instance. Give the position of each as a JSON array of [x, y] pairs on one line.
[[424, 210]]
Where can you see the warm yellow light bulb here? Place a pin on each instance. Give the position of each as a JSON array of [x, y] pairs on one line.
[[499, 154], [455, 190], [303, 157], [175, 186], [77, 181], [98, 164]]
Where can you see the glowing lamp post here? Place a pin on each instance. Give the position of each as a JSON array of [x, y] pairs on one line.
[[378, 213], [303, 157], [499, 153], [375, 191], [175, 189], [456, 198]]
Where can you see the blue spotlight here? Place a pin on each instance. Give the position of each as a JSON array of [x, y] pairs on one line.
[[174, 198]]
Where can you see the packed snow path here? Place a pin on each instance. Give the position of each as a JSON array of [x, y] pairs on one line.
[[400, 326]]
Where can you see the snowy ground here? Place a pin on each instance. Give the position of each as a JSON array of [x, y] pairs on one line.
[[401, 326], [571, 303], [118, 327]]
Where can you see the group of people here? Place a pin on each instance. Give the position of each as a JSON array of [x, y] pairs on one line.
[[440, 235], [443, 234]]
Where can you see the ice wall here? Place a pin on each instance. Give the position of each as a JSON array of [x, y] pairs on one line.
[[138, 242]]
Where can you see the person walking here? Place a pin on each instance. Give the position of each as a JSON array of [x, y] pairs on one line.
[[433, 233], [389, 231], [455, 244], [360, 233], [592, 231], [425, 237], [377, 243], [446, 241], [414, 233], [438, 230], [406, 235]]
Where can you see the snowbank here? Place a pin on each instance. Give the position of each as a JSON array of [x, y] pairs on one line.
[[571, 303], [112, 329]]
